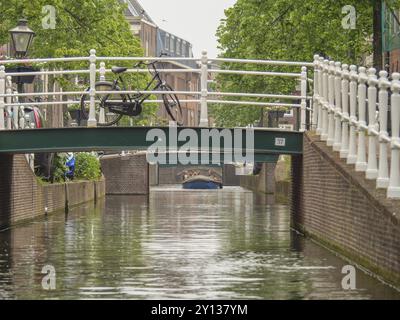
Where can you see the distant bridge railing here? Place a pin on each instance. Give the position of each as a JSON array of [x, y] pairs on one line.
[[9, 98], [352, 109]]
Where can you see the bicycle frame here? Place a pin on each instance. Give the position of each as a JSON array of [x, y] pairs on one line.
[[140, 98]]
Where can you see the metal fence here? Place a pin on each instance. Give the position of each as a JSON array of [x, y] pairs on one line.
[[204, 97], [352, 109]]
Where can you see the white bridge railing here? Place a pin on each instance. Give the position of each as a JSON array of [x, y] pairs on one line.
[[97, 71], [352, 108]]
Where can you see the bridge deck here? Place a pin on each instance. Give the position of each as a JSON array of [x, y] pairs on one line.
[[266, 141]]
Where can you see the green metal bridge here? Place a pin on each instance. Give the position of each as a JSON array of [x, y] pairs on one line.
[[267, 143]]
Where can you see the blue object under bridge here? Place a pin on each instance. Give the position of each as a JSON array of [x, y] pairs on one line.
[[268, 143]]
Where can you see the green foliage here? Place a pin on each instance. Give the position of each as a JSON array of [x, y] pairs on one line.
[[80, 26], [292, 30], [59, 168], [87, 166]]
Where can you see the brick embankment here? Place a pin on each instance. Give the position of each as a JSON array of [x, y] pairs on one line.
[[128, 174], [23, 197], [340, 208]]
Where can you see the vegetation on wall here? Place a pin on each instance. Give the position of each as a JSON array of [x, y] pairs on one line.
[[87, 166]]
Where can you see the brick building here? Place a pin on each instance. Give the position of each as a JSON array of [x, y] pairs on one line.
[[391, 38], [156, 41]]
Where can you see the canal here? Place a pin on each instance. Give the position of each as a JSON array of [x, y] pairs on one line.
[[175, 244]]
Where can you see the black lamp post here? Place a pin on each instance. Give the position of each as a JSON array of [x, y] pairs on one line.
[[22, 37]]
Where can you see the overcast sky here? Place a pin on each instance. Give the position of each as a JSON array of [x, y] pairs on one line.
[[193, 20]]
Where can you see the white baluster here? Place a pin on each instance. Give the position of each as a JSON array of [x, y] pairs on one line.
[[316, 93], [383, 170], [9, 101], [372, 166], [102, 71], [303, 105], [331, 109], [338, 107], [92, 122], [2, 100], [321, 94], [325, 78], [204, 90], [394, 179], [344, 146], [352, 155], [361, 164]]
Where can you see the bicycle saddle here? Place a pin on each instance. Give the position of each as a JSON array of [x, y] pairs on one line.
[[118, 69]]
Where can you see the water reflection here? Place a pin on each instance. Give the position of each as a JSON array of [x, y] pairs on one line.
[[226, 244]]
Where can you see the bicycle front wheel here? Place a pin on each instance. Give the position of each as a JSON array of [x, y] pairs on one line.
[[103, 104], [172, 105]]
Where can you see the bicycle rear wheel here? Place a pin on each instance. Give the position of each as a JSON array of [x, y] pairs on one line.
[[172, 105], [103, 104]]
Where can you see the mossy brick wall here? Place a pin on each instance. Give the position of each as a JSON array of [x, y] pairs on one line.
[[340, 208], [128, 174], [22, 197]]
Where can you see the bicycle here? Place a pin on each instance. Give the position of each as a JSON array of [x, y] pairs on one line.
[[118, 105]]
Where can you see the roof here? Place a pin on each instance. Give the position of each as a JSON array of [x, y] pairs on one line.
[[136, 10]]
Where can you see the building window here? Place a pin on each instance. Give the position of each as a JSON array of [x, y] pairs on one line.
[[172, 44], [178, 46], [183, 48], [167, 42]]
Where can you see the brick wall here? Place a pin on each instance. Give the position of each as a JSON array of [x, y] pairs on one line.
[[264, 182], [343, 210], [127, 174], [22, 197]]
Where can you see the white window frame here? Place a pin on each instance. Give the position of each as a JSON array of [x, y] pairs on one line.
[[167, 42]]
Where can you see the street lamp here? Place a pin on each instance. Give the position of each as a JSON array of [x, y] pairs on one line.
[[22, 38]]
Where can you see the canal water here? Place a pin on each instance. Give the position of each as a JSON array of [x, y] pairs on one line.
[[175, 244]]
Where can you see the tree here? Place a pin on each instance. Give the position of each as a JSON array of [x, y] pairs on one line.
[[292, 30], [80, 26]]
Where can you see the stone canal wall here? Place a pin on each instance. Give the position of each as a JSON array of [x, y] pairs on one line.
[[128, 174], [23, 197], [264, 182], [340, 208]]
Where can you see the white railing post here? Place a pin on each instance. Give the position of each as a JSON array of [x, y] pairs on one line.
[[394, 179], [320, 94], [372, 164], [383, 171], [344, 146], [92, 122], [2, 100], [338, 107], [16, 119], [102, 71], [204, 90], [9, 101], [361, 164], [303, 93], [331, 104], [352, 155], [324, 133], [316, 93]]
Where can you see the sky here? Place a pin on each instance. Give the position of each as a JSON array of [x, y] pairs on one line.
[[193, 20]]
